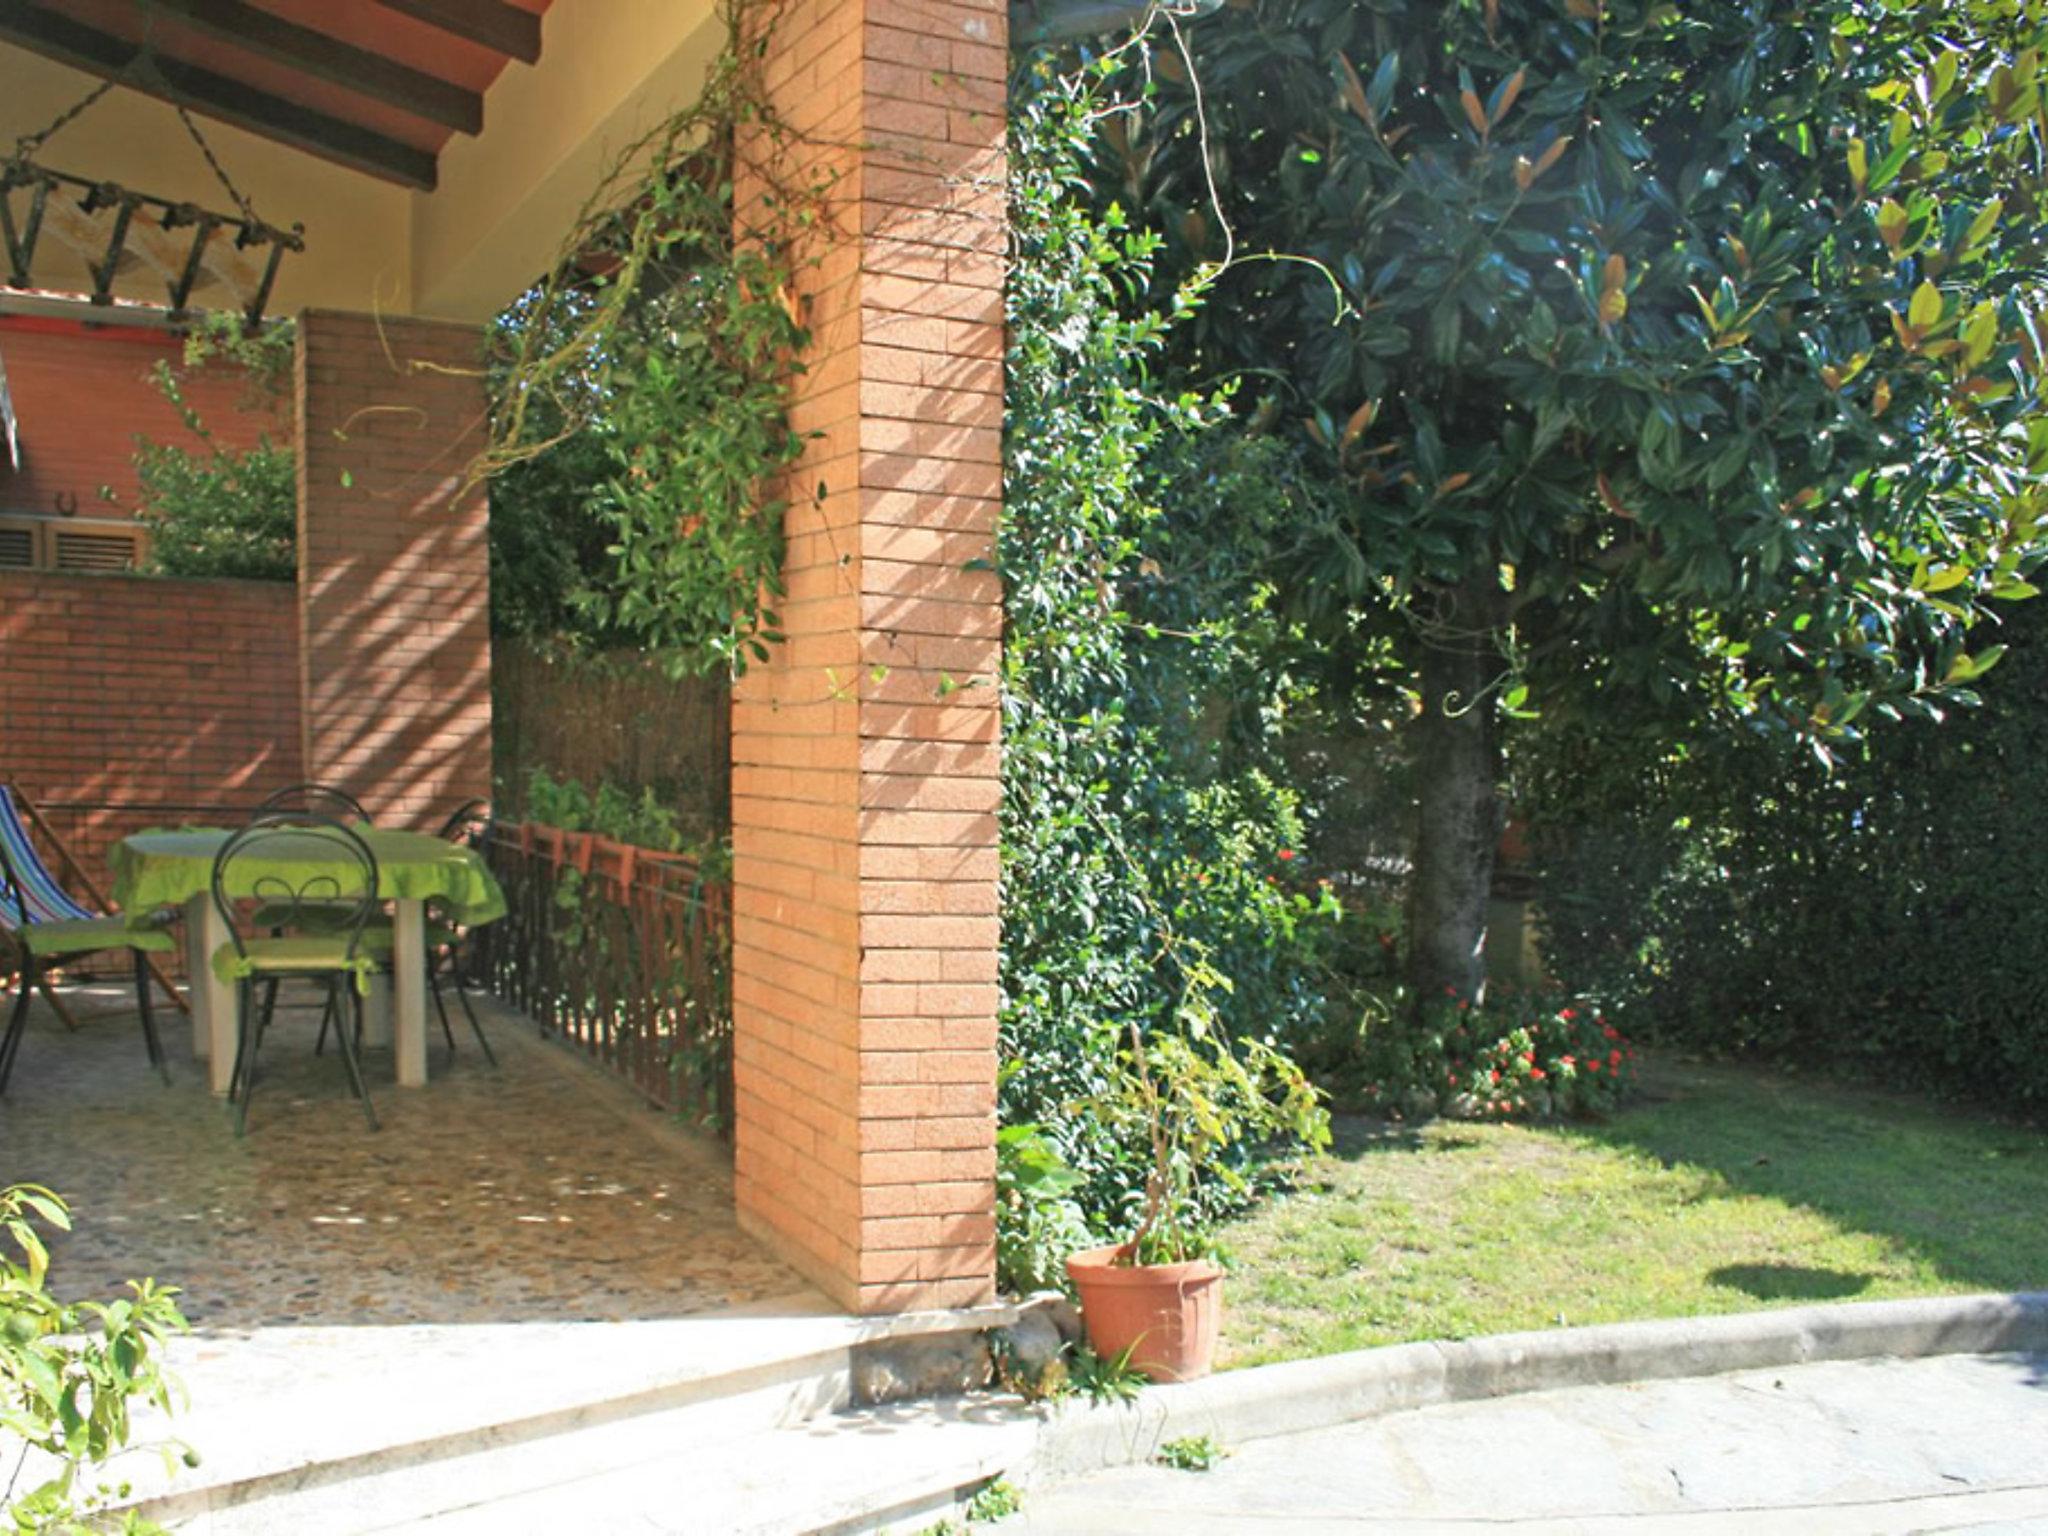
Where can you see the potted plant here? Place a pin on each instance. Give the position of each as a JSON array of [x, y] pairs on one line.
[[1194, 1100]]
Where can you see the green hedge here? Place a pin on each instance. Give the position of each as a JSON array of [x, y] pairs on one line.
[[1892, 919]]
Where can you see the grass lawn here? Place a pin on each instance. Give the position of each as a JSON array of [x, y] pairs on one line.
[[1719, 1190]]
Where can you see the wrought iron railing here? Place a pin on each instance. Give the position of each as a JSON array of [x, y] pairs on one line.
[[622, 951]]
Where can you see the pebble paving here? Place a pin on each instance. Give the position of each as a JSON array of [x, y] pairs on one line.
[[537, 1192]]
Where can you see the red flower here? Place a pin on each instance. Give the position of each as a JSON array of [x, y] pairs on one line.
[[1528, 1056], [1538, 1073], [1493, 1077], [1593, 1064], [1452, 1079], [1286, 853], [1614, 1058], [1570, 1061], [1610, 1031], [1463, 1005], [1566, 1013]]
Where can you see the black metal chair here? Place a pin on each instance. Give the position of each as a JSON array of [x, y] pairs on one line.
[[309, 799], [334, 955], [468, 827], [315, 799]]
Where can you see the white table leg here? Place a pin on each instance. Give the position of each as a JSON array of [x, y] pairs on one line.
[[409, 989], [197, 974], [377, 1011], [213, 1001]]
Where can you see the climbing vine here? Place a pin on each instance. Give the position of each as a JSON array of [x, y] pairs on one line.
[[1150, 902], [641, 390]]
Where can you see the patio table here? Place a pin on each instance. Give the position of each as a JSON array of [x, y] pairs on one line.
[[153, 870]]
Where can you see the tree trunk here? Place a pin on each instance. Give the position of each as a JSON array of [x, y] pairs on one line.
[[1457, 767]]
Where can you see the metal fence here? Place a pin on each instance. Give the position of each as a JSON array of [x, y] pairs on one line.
[[625, 953]]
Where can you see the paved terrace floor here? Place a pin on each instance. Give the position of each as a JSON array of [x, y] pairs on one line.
[[539, 1192]]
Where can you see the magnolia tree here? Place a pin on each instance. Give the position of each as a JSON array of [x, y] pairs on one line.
[[1642, 355]]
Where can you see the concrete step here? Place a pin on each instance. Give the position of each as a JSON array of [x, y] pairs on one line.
[[872, 1470], [335, 1432]]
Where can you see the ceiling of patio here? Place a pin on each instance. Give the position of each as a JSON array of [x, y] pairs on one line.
[[435, 150]]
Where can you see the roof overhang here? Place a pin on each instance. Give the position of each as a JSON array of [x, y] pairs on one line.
[[435, 151]]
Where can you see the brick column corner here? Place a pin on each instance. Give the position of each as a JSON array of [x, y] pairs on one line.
[[394, 564], [865, 752]]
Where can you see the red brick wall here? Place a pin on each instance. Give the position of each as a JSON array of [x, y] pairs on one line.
[[129, 689], [865, 752], [395, 645], [81, 396]]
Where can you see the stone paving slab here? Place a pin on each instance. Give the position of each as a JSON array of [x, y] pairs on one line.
[[1946, 1443], [538, 1193]]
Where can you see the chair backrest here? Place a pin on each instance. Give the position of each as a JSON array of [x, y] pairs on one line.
[[317, 799], [336, 869], [29, 893], [468, 825]]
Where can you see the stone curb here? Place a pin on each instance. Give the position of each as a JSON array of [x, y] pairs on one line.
[[1337, 1389]]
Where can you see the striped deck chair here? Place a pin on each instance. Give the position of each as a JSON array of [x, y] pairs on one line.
[[47, 926]]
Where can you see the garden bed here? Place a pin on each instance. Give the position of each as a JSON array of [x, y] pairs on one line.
[[1718, 1190]]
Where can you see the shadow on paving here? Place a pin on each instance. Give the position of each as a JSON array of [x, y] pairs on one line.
[[537, 1192]]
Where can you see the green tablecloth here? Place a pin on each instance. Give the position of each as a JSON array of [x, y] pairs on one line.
[[166, 869]]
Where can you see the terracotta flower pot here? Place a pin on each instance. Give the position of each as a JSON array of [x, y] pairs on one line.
[[1166, 1315]]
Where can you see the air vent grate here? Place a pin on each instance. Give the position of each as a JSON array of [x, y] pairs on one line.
[[17, 548], [94, 551]]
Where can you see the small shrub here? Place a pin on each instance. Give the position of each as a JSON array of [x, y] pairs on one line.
[[1190, 1453], [69, 1374], [1038, 1220], [1103, 1379], [1518, 1055], [214, 510], [997, 1501]]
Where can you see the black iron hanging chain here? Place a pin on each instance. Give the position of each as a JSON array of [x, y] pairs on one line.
[[29, 143], [247, 208]]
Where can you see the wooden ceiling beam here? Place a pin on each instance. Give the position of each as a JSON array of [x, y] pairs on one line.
[[82, 47], [497, 26], [325, 58]]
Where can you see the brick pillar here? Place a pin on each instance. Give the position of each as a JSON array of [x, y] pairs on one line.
[[394, 568], [865, 751]]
